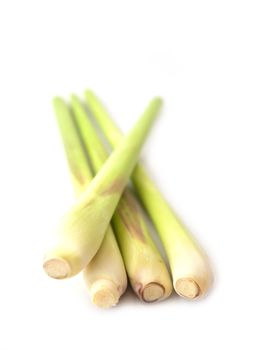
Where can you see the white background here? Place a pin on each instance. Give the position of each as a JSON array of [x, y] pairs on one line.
[[200, 56]]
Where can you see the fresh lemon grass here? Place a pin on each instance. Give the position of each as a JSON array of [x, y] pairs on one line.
[[146, 269], [106, 278], [82, 229], [191, 272]]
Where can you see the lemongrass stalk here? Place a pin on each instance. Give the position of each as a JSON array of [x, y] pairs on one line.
[[145, 267], [191, 271], [105, 278], [82, 229], [105, 275]]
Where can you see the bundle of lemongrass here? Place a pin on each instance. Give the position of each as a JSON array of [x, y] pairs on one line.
[[105, 233]]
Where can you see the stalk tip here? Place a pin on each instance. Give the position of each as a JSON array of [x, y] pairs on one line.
[[57, 268], [104, 293], [187, 287], [152, 292]]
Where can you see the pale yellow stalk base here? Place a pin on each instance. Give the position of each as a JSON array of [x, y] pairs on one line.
[[104, 293], [105, 276], [153, 292]]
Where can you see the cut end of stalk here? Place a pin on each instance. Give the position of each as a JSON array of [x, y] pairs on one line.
[[105, 293], [57, 268], [187, 288], [152, 292]]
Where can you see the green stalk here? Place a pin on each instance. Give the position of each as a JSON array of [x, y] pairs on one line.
[[146, 269], [106, 278], [191, 272], [82, 229], [80, 172]]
